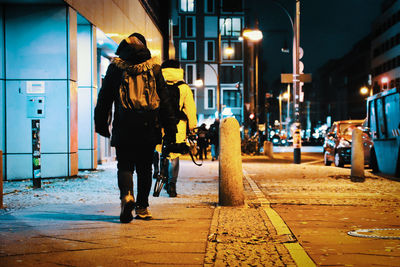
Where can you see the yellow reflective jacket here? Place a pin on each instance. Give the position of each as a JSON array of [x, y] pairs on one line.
[[186, 103]]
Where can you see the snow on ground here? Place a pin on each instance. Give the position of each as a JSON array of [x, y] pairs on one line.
[[100, 187]]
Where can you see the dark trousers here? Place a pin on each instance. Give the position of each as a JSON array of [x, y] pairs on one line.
[[139, 159], [203, 149]]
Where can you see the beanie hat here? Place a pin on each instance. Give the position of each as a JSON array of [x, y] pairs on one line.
[[140, 37]]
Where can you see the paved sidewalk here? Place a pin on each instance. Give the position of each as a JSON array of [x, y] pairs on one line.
[[87, 232], [75, 222], [189, 230]]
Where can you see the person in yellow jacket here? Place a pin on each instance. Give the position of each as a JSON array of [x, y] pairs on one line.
[[173, 75]]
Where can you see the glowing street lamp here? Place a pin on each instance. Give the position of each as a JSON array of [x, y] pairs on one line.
[[253, 35], [228, 51], [385, 80], [198, 83]]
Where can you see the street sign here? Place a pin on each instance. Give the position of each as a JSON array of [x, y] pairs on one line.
[[288, 78]]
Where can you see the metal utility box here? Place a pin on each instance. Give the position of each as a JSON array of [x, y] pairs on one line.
[[384, 123], [35, 106]]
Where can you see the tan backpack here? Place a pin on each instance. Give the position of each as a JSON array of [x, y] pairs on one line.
[[138, 88]]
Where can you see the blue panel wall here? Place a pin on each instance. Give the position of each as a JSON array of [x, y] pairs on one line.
[[40, 46], [1, 42], [2, 92], [86, 73], [41, 51], [2, 116]]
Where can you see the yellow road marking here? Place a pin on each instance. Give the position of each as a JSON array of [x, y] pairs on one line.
[[297, 252]]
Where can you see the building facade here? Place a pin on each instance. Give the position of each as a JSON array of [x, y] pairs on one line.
[[386, 47], [54, 55], [196, 27]]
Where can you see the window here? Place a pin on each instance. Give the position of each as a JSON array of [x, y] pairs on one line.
[[210, 27], [231, 74], [209, 6], [230, 26], [232, 5], [231, 98], [187, 6], [190, 73], [190, 26], [209, 98], [188, 50], [176, 29], [237, 48], [209, 51]]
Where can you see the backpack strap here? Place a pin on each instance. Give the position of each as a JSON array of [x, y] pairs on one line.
[[181, 114], [179, 83]]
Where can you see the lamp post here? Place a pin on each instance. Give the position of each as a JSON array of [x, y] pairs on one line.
[[296, 80], [254, 35]]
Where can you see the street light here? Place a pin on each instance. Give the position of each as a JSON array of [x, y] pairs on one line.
[[287, 97], [385, 80], [365, 90], [254, 35]]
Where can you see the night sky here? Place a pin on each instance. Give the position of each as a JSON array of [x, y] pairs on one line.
[[328, 30]]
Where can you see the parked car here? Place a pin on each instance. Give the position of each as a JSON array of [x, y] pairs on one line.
[[337, 145]]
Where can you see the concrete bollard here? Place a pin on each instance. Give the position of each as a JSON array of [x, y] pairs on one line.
[[230, 164], [268, 149], [357, 155], [1, 179]]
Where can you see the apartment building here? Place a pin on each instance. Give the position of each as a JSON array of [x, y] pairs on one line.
[[196, 27], [386, 47]]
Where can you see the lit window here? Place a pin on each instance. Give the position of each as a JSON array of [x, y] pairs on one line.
[[230, 26], [187, 5], [187, 50], [237, 50]]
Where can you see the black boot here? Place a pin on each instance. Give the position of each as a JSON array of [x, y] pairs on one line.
[[127, 205], [172, 190]]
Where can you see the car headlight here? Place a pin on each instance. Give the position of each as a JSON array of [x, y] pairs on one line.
[[344, 143]]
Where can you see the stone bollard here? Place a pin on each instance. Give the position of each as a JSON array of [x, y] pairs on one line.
[[268, 149], [357, 155], [1, 179], [230, 164]]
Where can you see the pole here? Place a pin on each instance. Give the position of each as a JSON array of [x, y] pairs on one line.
[[280, 113], [256, 81], [230, 189], [219, 71], [288, 111], [296, 89]]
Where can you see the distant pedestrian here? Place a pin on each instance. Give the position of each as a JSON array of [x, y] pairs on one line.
[[134, 84], [213, 134], [202, 141], [185, 111]]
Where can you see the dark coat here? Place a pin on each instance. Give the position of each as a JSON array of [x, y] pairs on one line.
[[133, 127]]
